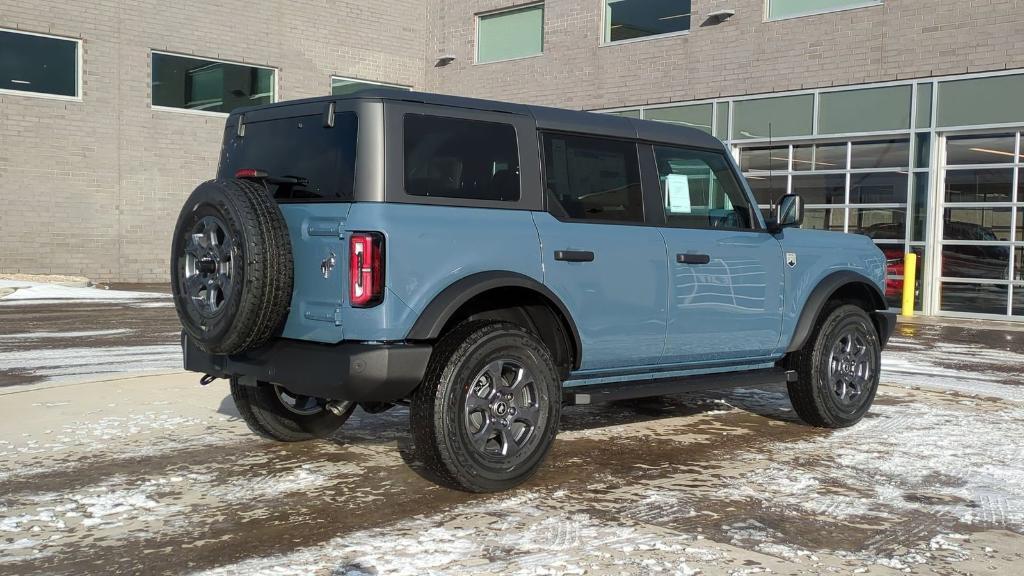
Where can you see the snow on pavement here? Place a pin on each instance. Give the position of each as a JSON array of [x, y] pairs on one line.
[[38, 292]]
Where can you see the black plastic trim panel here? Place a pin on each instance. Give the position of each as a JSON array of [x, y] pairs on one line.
[[356, 371], [821, 294]]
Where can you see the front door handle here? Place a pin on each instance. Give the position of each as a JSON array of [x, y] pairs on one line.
[[693, 258], [574, 255]]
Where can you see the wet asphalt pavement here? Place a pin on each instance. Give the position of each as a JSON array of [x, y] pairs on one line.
[[103, 470]]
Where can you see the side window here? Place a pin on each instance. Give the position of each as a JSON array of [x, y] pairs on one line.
[[593, 178], [699, 190], [459, 158]]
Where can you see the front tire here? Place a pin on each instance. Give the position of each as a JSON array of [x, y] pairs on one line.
[[487, 411], [278, 414], [838, 369]]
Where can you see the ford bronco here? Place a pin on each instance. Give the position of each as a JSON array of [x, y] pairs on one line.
[[486, 263]]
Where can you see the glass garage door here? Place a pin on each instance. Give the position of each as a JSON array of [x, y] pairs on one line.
[[981, 227], [858, 186]]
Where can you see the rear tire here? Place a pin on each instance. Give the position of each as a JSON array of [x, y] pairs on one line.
[[275, 413], [838, 369], [487, 411]]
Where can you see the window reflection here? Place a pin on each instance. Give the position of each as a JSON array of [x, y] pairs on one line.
[[628, 19], [776, 158], [197, 84], [40, 64], [879, 223], [880, 154], [824, 219], [985, 185], [819, 157], [997, 149], [881, 188], [989, 262], [820, 188], [977, 224], [767, 189], [974, 298]]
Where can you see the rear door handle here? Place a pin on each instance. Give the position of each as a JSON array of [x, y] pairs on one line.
[[574, 255], [693, 258]]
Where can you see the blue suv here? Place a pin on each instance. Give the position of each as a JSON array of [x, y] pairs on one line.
[[486, 263]]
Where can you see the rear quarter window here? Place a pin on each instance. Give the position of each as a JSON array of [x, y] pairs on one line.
[[321, 159], [460, 158]]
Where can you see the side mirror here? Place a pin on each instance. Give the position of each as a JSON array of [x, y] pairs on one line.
[[789, 213]]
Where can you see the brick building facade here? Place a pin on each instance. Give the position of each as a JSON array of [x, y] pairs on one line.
[[92, 184]]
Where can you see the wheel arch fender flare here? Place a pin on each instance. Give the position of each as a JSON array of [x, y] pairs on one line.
[[820, 296], [440, 310]]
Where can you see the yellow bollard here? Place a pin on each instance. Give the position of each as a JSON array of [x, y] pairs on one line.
[[909, 281]]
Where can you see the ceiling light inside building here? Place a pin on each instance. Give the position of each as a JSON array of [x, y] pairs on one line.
[[999, 152]]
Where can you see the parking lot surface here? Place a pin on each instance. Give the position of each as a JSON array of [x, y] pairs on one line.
[[112, 460]]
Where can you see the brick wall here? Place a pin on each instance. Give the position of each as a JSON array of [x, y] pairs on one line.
[[742, 55], [94, 187]]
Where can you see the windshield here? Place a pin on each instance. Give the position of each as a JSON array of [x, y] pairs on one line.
[[303, 159]]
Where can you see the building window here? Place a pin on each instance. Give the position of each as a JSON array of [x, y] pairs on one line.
[[981, 101], [773, 117], [37, 64], [632, 19], [866, 110], [510, 34], [782, 9], [344, 86], [593, 178], [693, 116], [459, 158], [209, 85]]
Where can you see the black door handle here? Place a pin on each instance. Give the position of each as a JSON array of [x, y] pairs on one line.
[[693, 258], [574, 255]]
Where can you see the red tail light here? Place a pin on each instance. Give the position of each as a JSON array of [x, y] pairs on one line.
[[365, 269], [250, 173]]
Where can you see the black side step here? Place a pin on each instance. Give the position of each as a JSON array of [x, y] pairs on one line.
[[599, 393]]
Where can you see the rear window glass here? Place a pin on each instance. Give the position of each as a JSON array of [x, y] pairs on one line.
[[459, 158], [320, 160]]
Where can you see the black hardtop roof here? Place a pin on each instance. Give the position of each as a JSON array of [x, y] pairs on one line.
[[546, 118]]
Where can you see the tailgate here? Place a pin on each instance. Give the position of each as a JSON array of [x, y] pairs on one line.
[[318, 250]]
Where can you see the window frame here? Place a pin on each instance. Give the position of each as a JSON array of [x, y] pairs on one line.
[[738, 179], [856, 5], [605, 41], [362, 81], [78, 97], [489, 13], [276, 97], [530, 193]]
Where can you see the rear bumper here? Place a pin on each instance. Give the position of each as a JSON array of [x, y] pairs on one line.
[[345, 371], [885, 320]]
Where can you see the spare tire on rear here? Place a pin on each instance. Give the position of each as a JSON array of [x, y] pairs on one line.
[[231, 266]]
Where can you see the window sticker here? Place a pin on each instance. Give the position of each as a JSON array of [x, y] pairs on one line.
[[678, 188]]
